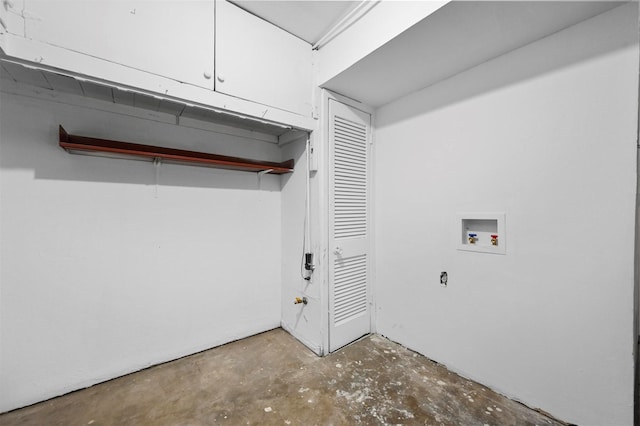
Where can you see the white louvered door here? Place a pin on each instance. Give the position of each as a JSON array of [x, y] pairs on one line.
[[349, 282]]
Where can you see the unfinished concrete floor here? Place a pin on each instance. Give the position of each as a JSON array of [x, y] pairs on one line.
[[271, 379]]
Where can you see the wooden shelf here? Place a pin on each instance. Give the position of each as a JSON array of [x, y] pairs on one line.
[[81, 144]]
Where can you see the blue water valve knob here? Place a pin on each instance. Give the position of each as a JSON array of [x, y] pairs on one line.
[[473, 238]]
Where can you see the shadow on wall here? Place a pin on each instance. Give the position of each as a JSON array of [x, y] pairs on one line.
[[295, 150], [524, 63], [29, 140]]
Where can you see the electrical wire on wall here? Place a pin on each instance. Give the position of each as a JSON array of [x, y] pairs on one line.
[[306, 263], [157, 162]]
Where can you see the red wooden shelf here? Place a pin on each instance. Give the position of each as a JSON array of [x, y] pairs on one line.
[[82, 144]]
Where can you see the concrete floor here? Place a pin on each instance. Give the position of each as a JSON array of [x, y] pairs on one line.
[[271, 379]]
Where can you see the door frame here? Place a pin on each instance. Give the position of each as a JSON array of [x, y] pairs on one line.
[[324, 194]]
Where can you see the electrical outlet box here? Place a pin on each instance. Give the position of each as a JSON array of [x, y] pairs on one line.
[[481, 232]]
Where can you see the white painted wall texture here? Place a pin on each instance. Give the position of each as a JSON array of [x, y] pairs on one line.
[[302, 321], [308, 323], [546, 134], [99, 277]]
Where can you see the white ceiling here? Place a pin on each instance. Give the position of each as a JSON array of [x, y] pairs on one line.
[[307, 19], [459, 36], [455, 38]]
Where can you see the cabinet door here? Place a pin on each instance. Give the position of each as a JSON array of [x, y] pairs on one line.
[[258, 61], [170, 38]]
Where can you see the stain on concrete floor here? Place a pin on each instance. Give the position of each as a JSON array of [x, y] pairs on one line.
[[272, 379]]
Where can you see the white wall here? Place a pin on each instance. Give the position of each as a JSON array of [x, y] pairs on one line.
[[308, 323], [546, 134], [99, 277], [302, 321]]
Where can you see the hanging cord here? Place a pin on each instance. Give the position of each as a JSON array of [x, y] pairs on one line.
[[156, 164], [303, 272], [306, 239], [260, 174]]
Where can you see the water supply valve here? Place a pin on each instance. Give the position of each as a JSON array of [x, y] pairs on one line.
[[473, 238], [494, 239], [298, 300]]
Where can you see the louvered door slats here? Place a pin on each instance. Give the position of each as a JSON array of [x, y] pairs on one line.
[[350, 288], [350, 216], [350, 179]]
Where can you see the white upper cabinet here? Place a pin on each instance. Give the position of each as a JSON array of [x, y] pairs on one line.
[[169, 38], [258, 61], [168, 48]]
